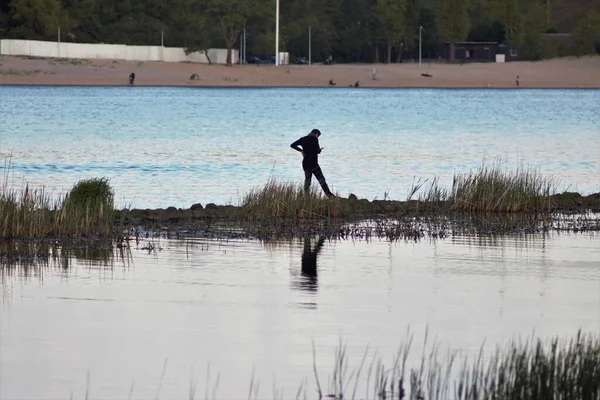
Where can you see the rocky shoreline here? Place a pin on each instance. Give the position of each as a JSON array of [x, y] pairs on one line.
[[211, 219]]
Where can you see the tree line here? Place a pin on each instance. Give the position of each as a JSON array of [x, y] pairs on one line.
[[346, 30]]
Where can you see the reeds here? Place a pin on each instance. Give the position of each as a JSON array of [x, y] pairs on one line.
[[530, 369], [85, 211], [490, 188], [283, 200]]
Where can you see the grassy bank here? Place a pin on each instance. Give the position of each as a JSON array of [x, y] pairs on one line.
[[289, 201], [489, 189], [87, 210], [486, 192]]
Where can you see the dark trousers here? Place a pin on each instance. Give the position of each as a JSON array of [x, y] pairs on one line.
[[315, 170]]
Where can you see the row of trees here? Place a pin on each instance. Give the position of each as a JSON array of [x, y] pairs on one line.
[[348, 30]]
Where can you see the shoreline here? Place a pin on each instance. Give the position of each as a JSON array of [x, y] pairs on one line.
[[456, 88], [564, 73], [352, 209]]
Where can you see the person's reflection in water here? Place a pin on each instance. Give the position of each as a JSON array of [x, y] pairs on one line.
[[309, 265]]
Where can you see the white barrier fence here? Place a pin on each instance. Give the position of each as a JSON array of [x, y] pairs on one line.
[[37, 48]]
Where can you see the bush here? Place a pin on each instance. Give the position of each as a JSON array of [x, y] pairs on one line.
[[95, 190], [88, 209], [586, 33]]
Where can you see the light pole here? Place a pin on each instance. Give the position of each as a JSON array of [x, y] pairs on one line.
[[309, 45], [420, 42], [277, 33]]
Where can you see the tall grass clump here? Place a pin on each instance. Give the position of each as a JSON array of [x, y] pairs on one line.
[[287, 201], [87, 210], [530, 369], [24, 214], [492, 189]]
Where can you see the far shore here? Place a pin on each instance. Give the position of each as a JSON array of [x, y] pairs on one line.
[[564, 73]]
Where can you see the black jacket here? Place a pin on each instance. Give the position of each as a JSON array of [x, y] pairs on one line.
[[310, 148]]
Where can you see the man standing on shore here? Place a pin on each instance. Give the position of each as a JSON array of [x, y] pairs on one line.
[[309, 147]]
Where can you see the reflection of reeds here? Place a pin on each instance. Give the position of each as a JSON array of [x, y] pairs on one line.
[[288, 201], [29, 258]]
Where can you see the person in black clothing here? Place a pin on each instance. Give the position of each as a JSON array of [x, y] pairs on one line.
[[309, 147], [131, 78]]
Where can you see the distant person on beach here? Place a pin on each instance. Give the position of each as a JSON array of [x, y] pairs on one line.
[[309, 147], [518, 83], [131, 78]]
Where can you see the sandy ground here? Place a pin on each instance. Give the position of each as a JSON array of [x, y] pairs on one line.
[[559, 73]]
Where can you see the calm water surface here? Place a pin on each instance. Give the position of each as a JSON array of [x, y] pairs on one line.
[[246, 305], [165, 147]]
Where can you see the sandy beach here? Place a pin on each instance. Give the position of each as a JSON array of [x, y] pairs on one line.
[[559, 73]]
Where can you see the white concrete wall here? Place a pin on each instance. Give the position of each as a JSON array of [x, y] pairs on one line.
[[177, 54], [82, 50], [144, 53], [36, 48], [33, 48], [219, 56]]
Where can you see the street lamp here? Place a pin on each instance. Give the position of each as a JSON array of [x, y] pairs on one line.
[[309, 45], [420, 42], [277, 33]]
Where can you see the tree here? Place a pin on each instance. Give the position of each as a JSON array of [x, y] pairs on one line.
[[452, 19], [38, 18], [586, 34], [430, 34], [511, 18], [410, 31], [231, 15], [390, 15], [534, 25], [199, 39], [86, 25]]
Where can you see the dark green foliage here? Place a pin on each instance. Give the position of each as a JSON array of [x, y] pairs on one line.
[[95, 190], [347, 30], [587, 34], [88, 208]]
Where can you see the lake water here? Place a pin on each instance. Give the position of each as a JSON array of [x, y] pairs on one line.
[[111, 325], [164, 147], [244, 306]]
